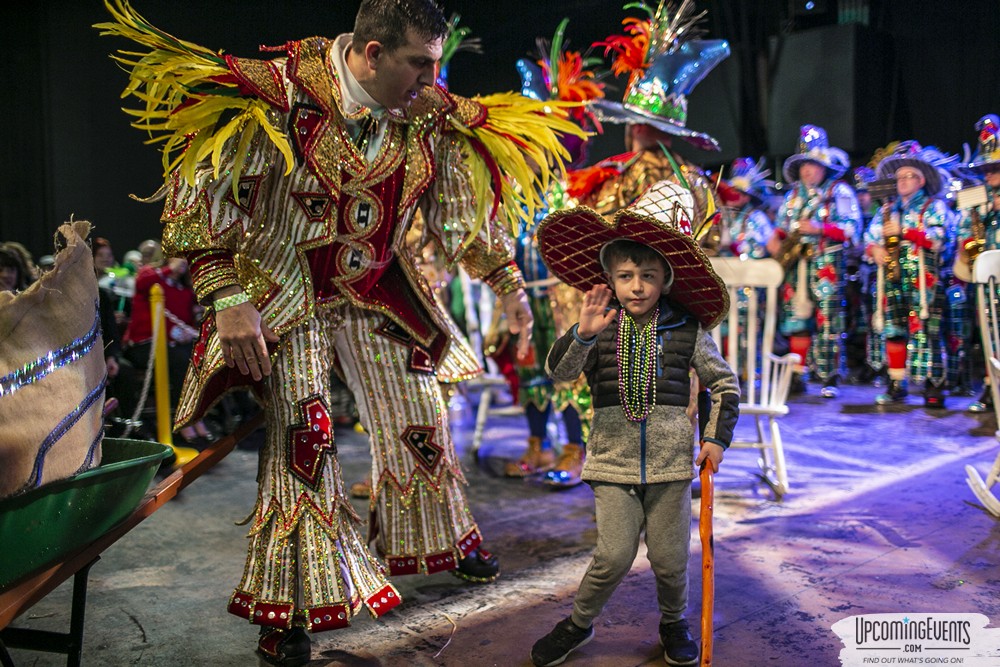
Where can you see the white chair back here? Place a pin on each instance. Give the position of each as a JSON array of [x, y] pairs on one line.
[[748, 278], [766, 378], [986, 275]]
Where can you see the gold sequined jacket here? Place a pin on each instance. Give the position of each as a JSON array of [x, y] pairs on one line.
[[332, 231]]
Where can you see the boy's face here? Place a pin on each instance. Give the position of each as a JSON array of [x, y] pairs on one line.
[[638, 286]]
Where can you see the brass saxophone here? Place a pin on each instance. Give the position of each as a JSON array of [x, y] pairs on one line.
[[793, 248], [891, 244], [971, 249]]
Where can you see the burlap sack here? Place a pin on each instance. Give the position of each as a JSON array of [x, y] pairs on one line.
[[52, 372]]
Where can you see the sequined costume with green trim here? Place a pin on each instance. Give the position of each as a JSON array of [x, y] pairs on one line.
[[923, 220], [555, 307]]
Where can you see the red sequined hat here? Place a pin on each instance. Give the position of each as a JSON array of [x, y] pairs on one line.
[[571, 241]]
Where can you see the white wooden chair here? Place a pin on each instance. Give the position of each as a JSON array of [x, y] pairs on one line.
[[986, 275], [492, 382], [479, 313], [765, 378], [491, 385]]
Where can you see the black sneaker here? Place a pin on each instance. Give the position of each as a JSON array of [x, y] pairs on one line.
[[896, 393], [480, 567], [678, 647], [287, 648], [553, 648], [797, 387], [933, 394]]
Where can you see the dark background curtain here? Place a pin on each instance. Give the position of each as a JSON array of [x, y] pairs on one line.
[[919, 69]]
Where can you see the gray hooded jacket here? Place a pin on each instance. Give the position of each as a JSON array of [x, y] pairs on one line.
[[661, 447]]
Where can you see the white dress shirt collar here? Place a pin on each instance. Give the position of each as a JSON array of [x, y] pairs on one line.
[[352, 95]]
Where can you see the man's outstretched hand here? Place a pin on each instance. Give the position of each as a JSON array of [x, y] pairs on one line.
[[244, 337], [519, 319]]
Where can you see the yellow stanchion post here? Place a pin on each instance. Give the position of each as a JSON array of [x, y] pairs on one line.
[[161, 378]]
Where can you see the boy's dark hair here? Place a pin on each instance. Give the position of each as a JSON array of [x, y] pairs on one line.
[[621, 249], [386, 21]]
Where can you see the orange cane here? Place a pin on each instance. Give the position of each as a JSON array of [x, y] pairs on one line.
[[705, 532], [707, 560]]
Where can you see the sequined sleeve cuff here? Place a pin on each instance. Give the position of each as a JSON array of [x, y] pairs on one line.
[[211, 270], [505, 280], [832, 231]]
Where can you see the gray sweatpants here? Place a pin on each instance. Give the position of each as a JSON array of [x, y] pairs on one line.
[[622, 511]]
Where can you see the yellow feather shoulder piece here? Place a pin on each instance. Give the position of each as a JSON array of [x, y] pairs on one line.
[[191, 102], [517, 153]]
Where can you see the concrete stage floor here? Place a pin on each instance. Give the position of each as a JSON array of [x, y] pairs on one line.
[[878, 519]]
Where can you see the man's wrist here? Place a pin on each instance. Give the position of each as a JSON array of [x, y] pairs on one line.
[[505, 280], [228, 301], [223, 292]]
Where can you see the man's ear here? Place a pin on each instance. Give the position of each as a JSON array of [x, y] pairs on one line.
[[373, 51]]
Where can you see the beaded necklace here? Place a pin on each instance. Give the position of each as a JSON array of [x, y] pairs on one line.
[[636, 353]]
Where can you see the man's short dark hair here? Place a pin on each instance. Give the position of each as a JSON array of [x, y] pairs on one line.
[[619, 250], [386, 21]]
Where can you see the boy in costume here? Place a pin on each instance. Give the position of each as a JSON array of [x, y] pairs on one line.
[[637, 356], [905, 241], [295, 184], [817, 220]]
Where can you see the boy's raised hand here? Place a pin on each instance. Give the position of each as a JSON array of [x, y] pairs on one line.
[[595, 315]]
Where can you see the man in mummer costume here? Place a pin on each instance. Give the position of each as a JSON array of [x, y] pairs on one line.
[[906, 242], [291, 186], [818, 218]]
